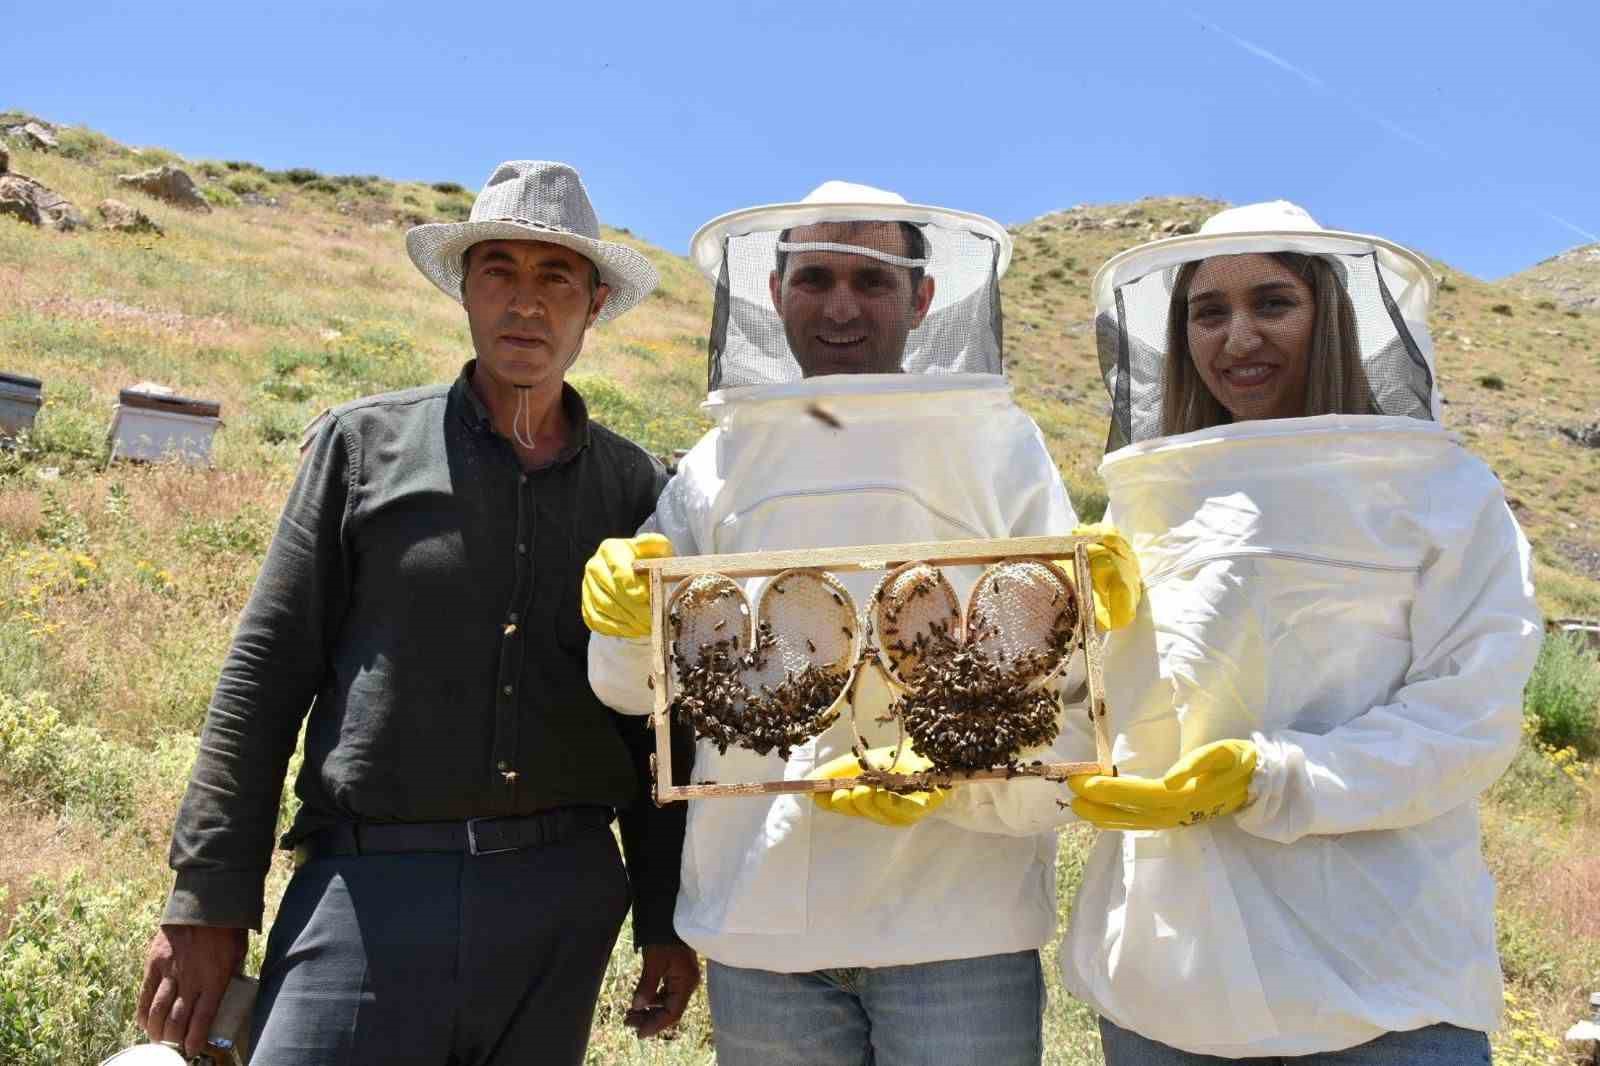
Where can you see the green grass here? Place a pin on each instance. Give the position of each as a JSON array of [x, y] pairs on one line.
[[1563, 695], [65, 997], [655, 427]]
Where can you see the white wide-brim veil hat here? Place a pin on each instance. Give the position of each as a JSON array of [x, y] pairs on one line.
[[1273, 226], [533, 200], [963, 253], [1390, 289], [836, 201]]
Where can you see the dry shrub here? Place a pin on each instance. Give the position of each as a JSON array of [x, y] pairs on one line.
[[1566, 894], [20, 515]]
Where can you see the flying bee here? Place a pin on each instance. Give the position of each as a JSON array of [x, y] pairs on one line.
[[823, 415]]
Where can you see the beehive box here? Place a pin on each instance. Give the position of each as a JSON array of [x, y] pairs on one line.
[[673, 579], [20, 398], [151, 423]]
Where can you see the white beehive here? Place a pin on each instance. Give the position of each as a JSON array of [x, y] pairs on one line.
[[20, 398], [151, 423]]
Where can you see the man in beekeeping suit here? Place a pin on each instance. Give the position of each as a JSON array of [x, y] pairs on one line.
[[856, 381], [1325, 673]]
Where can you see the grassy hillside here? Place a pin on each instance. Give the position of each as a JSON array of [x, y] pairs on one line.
[[119, 586], [1571, 279]]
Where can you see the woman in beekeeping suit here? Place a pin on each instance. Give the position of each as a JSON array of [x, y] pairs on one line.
[[858, 395], [1325, 673]]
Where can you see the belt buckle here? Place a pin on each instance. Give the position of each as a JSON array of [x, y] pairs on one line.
[[472, 838]]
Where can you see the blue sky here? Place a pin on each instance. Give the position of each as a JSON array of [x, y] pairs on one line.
[[1466, 130]]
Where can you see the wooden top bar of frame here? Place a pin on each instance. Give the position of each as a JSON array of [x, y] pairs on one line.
[[864, 557]]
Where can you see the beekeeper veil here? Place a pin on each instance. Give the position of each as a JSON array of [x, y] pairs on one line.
[[1262, 314], [851, 280]]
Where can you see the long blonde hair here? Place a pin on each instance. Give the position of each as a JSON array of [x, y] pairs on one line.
[[1336, 383]]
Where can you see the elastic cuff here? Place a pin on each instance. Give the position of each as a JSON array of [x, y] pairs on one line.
[[1262, 813]]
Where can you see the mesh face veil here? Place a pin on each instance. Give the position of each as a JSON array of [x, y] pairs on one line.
[[851, 280], [1263, 314]]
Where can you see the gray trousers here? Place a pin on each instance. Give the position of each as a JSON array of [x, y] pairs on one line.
[[441, 959]]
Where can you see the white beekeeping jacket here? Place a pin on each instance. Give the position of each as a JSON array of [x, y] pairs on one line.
[[777, 883], [1351, 592]]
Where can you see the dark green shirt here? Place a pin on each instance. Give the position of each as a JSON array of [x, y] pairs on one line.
[[421, 599]]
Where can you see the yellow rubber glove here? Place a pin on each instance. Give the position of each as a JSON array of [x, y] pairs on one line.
[[893, 809], [1114, 569], [616, 601], [1211, 781]]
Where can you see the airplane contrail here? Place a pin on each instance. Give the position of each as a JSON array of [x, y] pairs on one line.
[[1317, 83], [1393, 128], [1261, 53], [1558, 220]]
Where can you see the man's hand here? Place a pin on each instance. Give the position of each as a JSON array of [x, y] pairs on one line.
[[616, 601], [671, 974], [893, 809], [1211, 781], [186, 971]]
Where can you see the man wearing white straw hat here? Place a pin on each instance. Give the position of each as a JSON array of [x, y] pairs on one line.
[[458, 889], [858, 390]]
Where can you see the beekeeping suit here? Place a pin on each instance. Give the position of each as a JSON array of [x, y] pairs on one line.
[[932, 448], [1349, 592]]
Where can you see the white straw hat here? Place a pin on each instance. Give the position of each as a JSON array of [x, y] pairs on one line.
[[837, 201], [1271, 226], [531, 200]]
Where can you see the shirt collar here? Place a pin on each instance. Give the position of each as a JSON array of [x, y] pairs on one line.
[[476, 415]]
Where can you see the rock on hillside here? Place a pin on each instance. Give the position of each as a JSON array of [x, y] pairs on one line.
[[168, 183], [1571, 279], [127, 219], [39, 136], [22, 197], [1154, 216]]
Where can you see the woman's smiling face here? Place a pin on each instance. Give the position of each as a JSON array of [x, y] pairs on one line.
[[1249, 329]]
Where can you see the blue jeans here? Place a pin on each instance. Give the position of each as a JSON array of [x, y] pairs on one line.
[[1434, 1045], [987, 1011]]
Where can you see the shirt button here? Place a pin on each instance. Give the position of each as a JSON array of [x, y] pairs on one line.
[[512, 617], [523, 479], [507, 690], [522, 549], [502, 765]]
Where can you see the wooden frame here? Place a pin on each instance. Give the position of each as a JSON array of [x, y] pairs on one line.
[[664, 573]]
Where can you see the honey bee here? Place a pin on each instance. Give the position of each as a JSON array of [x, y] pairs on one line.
[[823, 415]]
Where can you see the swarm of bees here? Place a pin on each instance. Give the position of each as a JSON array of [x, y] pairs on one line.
[[964, 703], [967, 711], [712, 695]]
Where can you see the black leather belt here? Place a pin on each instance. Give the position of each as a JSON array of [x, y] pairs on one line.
[[475, 836]]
